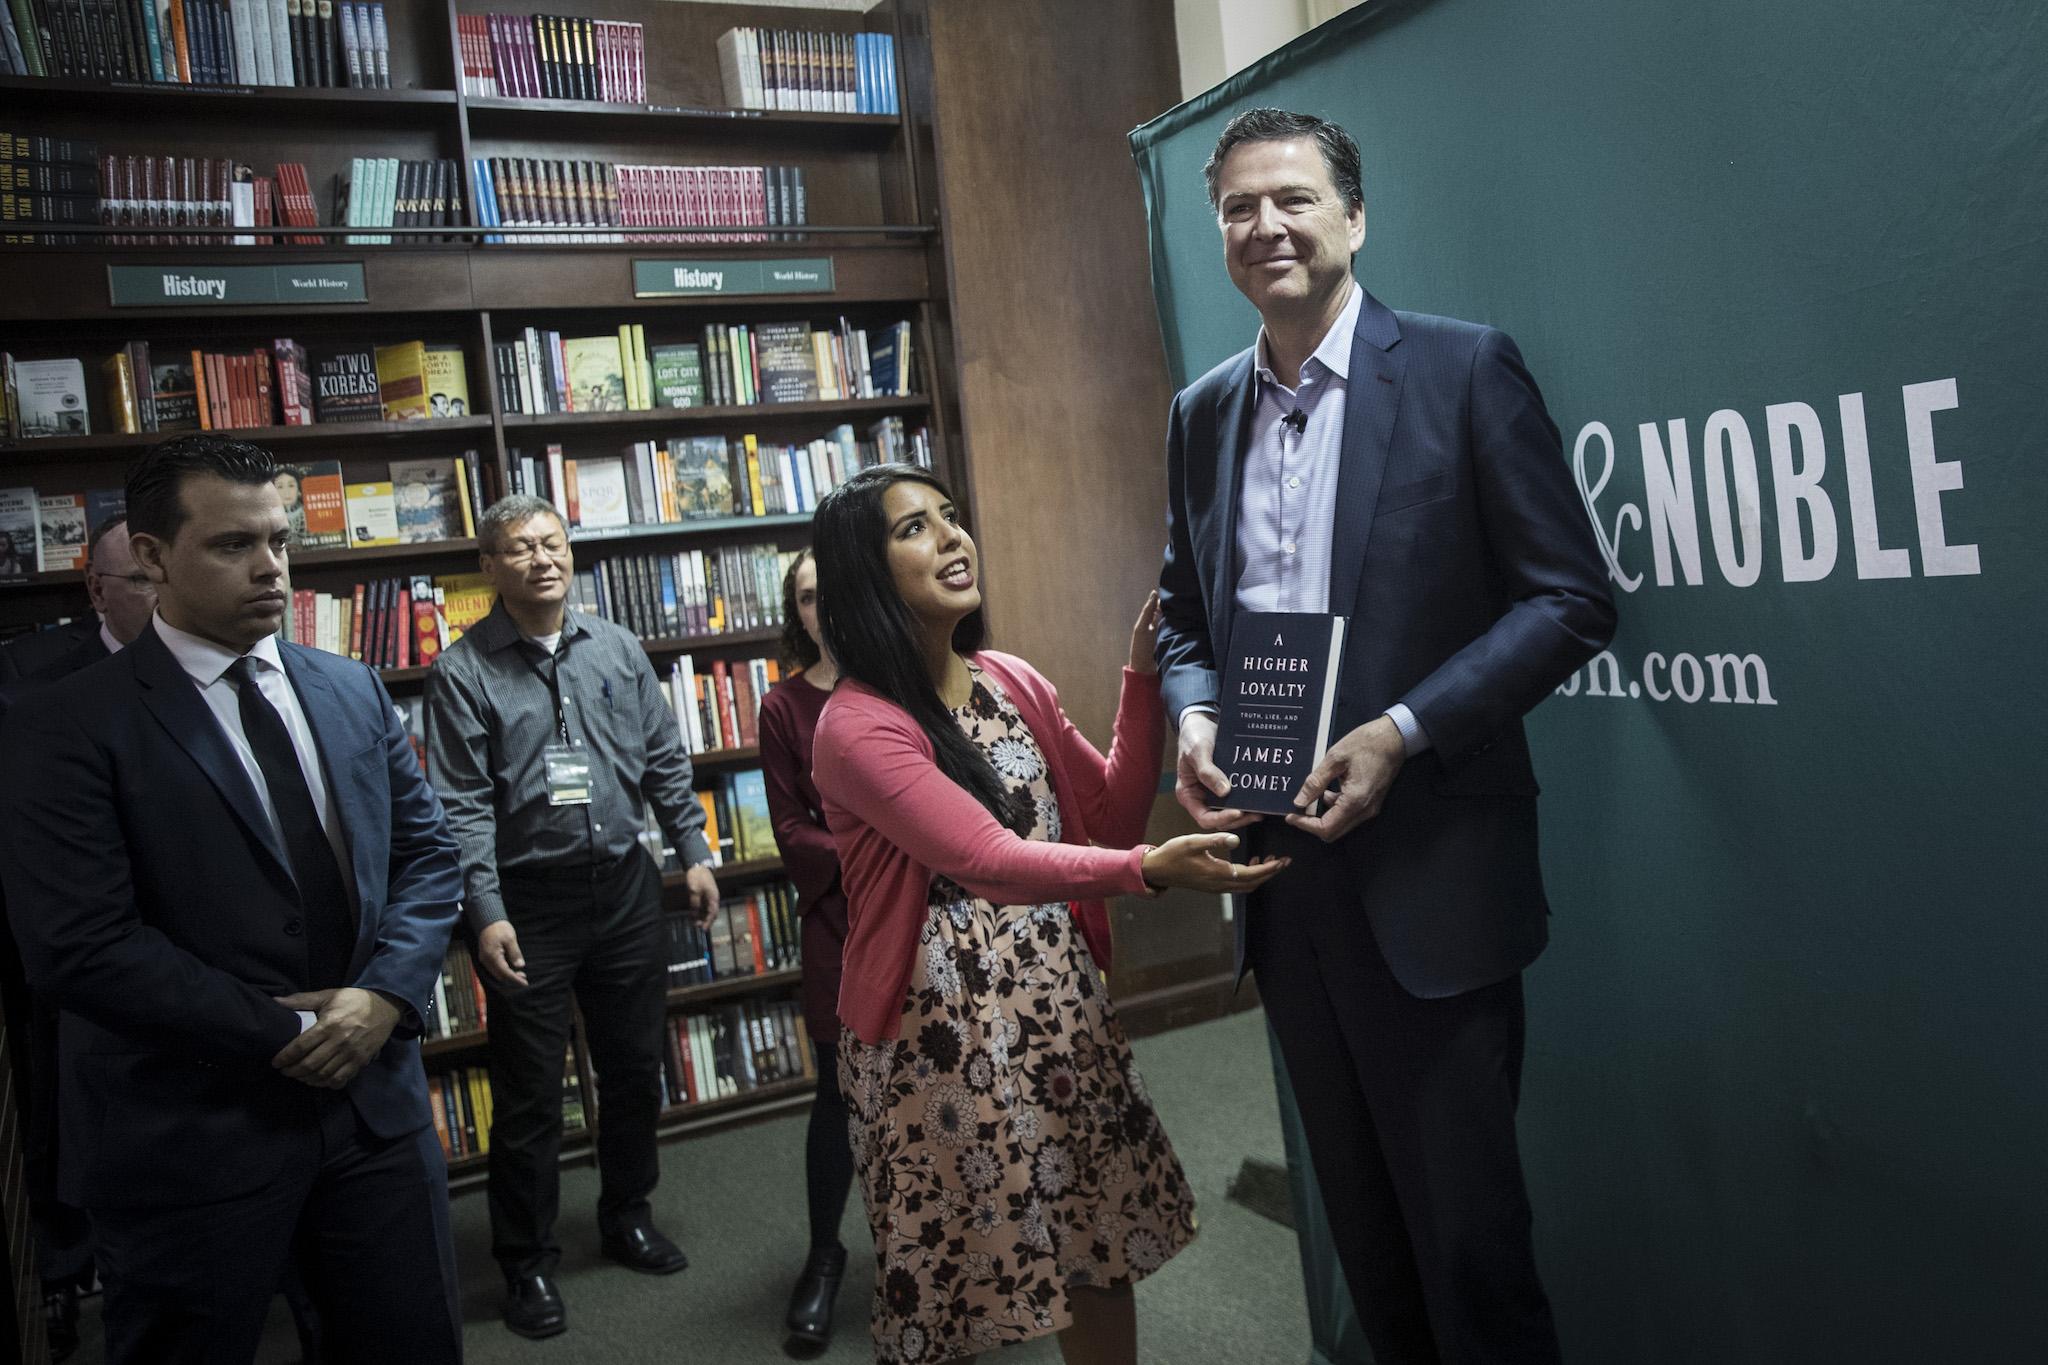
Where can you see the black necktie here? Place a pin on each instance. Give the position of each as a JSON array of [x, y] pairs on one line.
[[328, 924]]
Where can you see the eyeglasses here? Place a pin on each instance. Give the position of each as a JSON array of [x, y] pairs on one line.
[[141, 582], [523, 552]]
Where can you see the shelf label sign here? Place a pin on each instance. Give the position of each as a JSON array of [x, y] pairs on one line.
[[235, 286], [684, 279]]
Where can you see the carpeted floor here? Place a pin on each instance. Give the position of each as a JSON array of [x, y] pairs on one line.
[[734, 1201]]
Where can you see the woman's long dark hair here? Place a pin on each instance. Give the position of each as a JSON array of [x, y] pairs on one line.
[[873, 636]]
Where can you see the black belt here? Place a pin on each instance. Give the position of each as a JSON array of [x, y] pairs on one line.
[[570, 872]]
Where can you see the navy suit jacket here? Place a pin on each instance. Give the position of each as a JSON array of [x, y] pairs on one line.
[[49, 654], [153, 902], [1464, 560]]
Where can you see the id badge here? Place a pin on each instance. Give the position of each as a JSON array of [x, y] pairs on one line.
[[568, 775]]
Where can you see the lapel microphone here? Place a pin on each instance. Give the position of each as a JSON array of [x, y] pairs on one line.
[[1296, 419]]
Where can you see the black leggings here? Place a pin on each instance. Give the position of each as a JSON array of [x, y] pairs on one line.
[[828, 1154]]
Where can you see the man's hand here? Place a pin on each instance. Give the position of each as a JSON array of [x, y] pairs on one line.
[[349, 1026], [498, 946], [1195, 775], [1361, 766], [703, 889]]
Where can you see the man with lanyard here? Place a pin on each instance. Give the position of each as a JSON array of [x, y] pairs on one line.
[[546, 732]]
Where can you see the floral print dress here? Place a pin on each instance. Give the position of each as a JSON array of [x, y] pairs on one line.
[[1004, 1140]]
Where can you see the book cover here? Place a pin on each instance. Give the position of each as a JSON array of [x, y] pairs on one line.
[[757, 827], [597, 374], [118, 386], [49, 398], [20, 532], [429, 500], [314, 504], [101, 504], [1279, 684], [372, 515], [63, 531], [602, 498], [345, 384], [447, 382], [466, 600], [402, 381], [678, 376], [703, 477], [788, 371]]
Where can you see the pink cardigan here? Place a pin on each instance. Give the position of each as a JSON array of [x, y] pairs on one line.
[[898, 820]]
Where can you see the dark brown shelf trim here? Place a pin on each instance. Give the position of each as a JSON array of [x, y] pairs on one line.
[[467, 1041], [800, 1087], [587, 535], [239, 96], [398, 676], [495, 107], [364, 554], [312, 434], [706, 992], [726, 412], [751, 870], [717, 760]]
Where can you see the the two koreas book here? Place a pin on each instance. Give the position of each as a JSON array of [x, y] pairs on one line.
[[1279, 686]]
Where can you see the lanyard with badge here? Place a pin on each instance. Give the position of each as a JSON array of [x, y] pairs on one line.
[[565, 763]]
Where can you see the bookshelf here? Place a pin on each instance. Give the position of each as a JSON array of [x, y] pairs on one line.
[[871, 214]]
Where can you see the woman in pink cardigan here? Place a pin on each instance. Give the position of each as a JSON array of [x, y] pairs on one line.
[[1016, 1178]]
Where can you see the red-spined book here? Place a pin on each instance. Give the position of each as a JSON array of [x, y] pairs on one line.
[[294, 382], [266, 403], [426, 630], [358, 622], [303, 614], [402, 614], [744, 704], [759, 936]]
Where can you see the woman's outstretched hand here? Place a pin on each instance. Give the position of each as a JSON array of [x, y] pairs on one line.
[[1145, 637], [1198, 862]]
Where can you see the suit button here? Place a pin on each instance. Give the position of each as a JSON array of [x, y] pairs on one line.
[[291, 926]]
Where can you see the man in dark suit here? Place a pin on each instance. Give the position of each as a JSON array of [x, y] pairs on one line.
[[122, 598], [1400, 470], [226, 868]]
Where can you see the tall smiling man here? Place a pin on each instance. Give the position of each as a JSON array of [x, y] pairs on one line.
[[226, 869], [1401, 470]]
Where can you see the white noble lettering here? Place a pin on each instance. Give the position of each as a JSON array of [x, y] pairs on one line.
[[1667, 484], [1729, 452], [1932, 478], [1799, 486]]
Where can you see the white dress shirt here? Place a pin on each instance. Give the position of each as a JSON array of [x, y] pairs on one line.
[[1287, 505], [207, 663]]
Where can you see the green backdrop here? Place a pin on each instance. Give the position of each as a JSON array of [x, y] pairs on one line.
[[1780, 270]]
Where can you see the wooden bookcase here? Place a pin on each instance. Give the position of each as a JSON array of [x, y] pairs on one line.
[[872, 211]]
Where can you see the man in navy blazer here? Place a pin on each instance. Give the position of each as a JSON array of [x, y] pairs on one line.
[[1399, 470], [225, 866]]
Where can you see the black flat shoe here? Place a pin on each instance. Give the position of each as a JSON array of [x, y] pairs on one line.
[[533, 1306], [644, 1249], [810, 1302]]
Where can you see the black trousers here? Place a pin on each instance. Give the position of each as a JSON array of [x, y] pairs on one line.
[[367, 1217], [591, 935], [1408, 1106], [828, 1151]]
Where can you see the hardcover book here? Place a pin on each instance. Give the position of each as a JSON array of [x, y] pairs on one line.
[[49, 398], [63, 538], [345, 384], [597, 374], [447, 382], [678, 376], [601, 493], [1279, 684], [314, 504], [20, 536], [788, 369], [402, 381], [703, 477], [176, 395], [429, 500], [372, 515]]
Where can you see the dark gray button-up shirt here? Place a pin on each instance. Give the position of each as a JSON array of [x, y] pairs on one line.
[[490, 717]]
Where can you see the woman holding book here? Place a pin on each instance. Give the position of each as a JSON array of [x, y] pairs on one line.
[[789, 720], [1016, 1178]]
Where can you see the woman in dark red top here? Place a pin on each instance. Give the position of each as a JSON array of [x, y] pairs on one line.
[[789, 718]]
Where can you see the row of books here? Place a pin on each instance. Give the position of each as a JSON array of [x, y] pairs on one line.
[[523, 191], [199, 42], [391, 622], [843, 73], [457, 1007], [792, 362], [386, 191], [736, 820], [460, 1100], [48, 532], [420, 502], [716, 591], [552, 56], [719, 708], [713, 1054], [747, 935], [146, 190]]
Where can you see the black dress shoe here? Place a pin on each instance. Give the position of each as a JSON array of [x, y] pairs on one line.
[[533, 1306], [810, 1302], [60, 1322], [644, 1249]]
